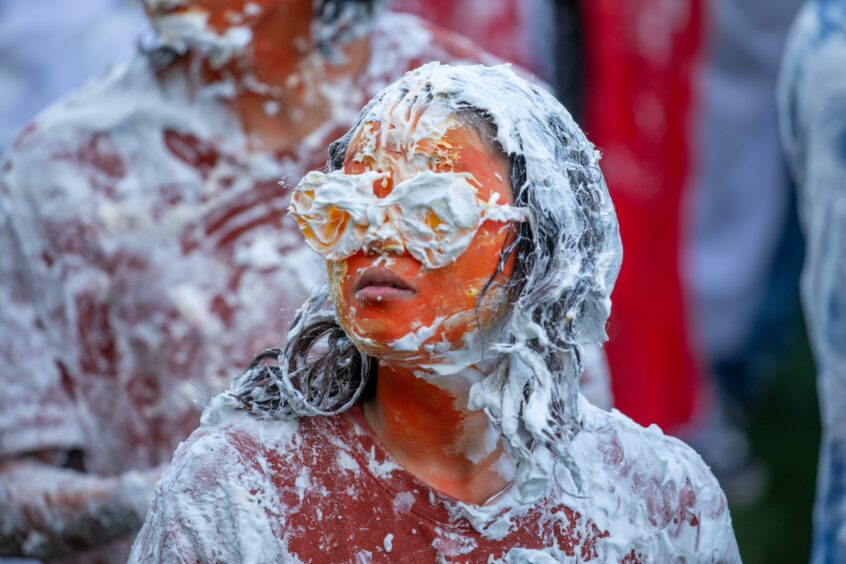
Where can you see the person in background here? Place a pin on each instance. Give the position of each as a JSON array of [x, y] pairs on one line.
[[144, 250], [737, 223], [812, 108]]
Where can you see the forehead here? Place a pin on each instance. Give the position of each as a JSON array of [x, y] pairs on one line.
[[411, 133], [409, 130], [407, 122]]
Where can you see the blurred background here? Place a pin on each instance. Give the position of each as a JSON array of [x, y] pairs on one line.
[[707, 337]]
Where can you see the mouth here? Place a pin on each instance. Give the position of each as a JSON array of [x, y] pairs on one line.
[[380, 285]]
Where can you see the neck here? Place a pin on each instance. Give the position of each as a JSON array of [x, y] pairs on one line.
[[277, 79], [432, 434]]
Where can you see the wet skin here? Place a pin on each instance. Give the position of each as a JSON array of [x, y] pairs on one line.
[[276, 26], [426, 427]]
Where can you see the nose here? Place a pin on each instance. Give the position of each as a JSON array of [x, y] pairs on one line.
[[383, 240], [382, 236]]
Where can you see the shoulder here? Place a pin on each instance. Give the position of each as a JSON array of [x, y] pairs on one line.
[[93, 106], [113, 129], [231, 443], [113, 153], [402, 42], [244, 489], [652, 493], [69, 146], [812, 89], [218, 499], [234, 450]]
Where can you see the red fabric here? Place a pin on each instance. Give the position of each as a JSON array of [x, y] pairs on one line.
[[335, 495], [420, 523], [641, 57]]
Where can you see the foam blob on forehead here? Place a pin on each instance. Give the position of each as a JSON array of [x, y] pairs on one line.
[[576, 252], [403, 134]]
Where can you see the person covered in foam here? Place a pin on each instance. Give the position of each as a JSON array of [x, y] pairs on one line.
[[145, 255], [812, 113], [425, 406]]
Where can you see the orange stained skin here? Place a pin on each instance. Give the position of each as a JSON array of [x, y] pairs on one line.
[[280, 29], [425, 427], [425, 431]]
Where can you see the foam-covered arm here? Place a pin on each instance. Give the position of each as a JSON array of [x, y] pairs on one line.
[[37, 412], [47, 511]]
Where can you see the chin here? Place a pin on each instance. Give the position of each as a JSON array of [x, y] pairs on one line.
[[368, 343], [374, 334]]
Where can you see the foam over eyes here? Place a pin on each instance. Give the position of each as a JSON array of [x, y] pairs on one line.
[[433, 215]]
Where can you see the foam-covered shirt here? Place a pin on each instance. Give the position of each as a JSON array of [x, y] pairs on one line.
[[324, 490]]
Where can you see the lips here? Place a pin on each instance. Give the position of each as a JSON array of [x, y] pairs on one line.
[[380, 285]]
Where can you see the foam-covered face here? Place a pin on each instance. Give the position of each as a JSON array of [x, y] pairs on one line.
[[222, 29], [432, 215], [390, 303]]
